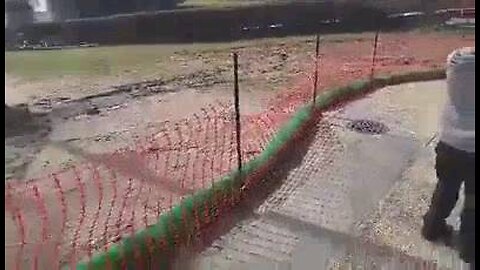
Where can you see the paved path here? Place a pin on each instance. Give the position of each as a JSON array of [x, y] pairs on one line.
[[350, 187]]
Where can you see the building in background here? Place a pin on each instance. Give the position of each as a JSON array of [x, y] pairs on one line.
[[61, 10], [99, 8], [428, 6], [18, 13]]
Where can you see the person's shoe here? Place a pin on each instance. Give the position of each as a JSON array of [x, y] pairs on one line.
[[440, 233], [466, 248], [466, 255]]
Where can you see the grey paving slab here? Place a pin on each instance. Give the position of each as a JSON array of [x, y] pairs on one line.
[[355, 201]]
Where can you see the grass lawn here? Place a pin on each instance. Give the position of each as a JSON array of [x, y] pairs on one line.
[[100, 61], [145, 60], [111, 61]]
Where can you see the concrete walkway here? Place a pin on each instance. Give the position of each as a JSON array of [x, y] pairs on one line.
[[356, 200]]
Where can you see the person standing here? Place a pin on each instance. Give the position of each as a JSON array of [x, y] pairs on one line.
[[455, 158]]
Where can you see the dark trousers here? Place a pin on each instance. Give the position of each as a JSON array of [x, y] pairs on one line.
[[453, 168]]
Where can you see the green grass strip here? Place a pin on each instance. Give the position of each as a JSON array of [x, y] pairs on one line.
[[179, 223]]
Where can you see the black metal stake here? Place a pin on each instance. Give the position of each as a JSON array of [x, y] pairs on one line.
[[315, 79], [237, 111], [375, 43]]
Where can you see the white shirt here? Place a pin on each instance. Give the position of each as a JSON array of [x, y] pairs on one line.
[[457, 126]]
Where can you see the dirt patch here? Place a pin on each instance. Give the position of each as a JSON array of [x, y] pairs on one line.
[[18, 120], [115, 110], [91, 126]]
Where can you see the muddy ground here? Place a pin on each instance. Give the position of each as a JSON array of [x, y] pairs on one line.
[[102, 111], [98, 111], [108, 112]]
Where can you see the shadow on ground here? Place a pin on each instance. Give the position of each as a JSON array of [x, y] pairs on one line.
[[22, 128], [20, 121], [290, 157]]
